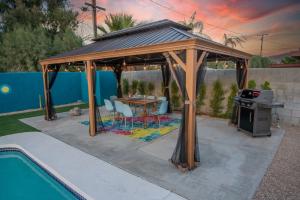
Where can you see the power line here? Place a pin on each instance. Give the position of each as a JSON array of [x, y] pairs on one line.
[[180, 13]]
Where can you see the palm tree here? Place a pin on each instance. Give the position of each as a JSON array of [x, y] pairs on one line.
[[197, 26], [115, 22], [233, 41]]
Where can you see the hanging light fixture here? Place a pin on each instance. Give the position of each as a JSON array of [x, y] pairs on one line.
[[226, 64], [124, 62]]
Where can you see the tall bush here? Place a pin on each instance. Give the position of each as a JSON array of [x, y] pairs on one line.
[[201, 97], [251, 84], [175, 98], [230, 100], [125, 86], [217, 98], [142, 87], [162, 88], [134, 86], [266, 85], [33, 30], [289, 60], [259, 62], [150, 88]]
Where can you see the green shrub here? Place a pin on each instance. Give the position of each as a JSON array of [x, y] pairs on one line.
[[217, 98], [230, 100], [125, 86], [142, 87], [289, 60], [175, 98], [150, 88], [266, 86], [201, 97], [251, 84], [259, 62], [134, 86]]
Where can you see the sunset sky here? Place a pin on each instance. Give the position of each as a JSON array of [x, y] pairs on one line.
[[247, 18]]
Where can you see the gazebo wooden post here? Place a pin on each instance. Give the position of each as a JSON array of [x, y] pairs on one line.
[[46, 87], [90, 79], [191, 79]]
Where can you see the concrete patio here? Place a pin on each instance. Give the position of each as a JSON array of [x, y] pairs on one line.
[[232, 163]]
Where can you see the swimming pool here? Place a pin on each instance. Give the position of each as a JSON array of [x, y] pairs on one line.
[[21, 177]]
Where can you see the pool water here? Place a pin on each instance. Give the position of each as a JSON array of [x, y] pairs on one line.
[[22, 179]]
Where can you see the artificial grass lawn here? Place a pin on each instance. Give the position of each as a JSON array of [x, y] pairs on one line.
[[11, 124]]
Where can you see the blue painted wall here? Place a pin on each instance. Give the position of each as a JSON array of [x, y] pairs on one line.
[[66, 88], [25, 89], [69, 87], [106, 86]]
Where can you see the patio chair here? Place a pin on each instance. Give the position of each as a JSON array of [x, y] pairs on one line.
[[113, 98], [110, 108], [150, 98], [162, 98], [163, 108], [127, 112], [119, 108]]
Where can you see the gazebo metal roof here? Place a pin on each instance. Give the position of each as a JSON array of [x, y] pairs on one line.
[[147, 35]]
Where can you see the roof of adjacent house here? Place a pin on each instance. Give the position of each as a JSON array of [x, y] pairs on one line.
[[159, 32]]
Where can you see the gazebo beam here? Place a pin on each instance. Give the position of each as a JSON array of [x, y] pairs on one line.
[[200, 60], [90, 79], [167, 56], [46, 87], [178, 60]]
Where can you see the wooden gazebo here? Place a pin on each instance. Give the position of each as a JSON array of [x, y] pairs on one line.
[[163, 42]]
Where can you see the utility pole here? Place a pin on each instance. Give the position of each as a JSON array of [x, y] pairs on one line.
[[94, 7], [262, 41]]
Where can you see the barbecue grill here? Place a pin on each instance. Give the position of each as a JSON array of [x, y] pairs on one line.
[[255, 111]]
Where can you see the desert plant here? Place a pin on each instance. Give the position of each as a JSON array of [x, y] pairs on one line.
[[230, 100], [134, 86], [150, 88], [125, 86], [142, 87], [175, 98], [217, 98], [266, 85], [251, 84], [201, 97]]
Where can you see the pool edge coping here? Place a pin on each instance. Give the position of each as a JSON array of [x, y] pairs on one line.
[[67, 184]]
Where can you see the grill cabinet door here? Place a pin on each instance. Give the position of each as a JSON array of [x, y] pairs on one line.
[[246, 119]]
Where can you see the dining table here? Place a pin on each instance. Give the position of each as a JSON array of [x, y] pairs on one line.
[[142, 102]]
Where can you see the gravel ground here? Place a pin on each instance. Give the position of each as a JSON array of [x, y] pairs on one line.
[[282, 180]]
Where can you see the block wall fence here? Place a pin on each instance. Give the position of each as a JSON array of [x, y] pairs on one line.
[[24, 90], [284, 82]]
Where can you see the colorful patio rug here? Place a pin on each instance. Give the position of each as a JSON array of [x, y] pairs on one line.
[[167, 124]]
